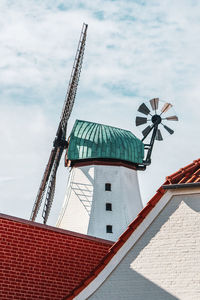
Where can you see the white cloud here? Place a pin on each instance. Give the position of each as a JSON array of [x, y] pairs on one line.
[[134, 52]]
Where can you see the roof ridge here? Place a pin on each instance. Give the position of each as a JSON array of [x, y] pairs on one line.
[[55, 229], [105, 125]]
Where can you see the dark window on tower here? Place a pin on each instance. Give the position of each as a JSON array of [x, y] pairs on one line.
[[107, 186], [109, 228], [109, 206]]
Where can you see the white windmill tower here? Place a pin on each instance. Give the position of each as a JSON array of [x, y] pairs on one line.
[[103, 193]]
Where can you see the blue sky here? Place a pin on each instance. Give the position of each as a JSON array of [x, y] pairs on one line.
[[136, 50]]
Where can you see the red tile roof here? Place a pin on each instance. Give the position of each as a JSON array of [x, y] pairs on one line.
[[43, 262], [188, 174]]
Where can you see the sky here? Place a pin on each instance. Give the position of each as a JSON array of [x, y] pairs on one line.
[[135, 51]]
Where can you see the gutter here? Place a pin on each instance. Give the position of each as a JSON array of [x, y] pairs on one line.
[[181, 185]]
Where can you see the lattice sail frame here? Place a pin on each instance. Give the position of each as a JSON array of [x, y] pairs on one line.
[[49, 176]]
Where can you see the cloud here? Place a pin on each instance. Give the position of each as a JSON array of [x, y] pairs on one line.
[[3, 179], [135, 50]]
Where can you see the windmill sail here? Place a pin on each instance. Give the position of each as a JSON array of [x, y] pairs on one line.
[[49, 176], [51, 185]]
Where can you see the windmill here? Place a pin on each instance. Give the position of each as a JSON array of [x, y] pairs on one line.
[[48, 182], [157, 115]]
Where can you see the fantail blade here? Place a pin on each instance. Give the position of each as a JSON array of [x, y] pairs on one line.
[[166, 107], [146, 130], [144, 109], [168, 129], [140, 120], [159, 135], [154, 103], [172, 118]]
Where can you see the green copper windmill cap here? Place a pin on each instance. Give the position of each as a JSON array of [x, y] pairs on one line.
[[89, 140]]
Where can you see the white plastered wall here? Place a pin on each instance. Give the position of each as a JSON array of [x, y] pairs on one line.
[[164, 263], [84, 208], [76, 208]]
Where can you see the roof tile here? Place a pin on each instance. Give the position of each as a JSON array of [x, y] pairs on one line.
[[188, 174]]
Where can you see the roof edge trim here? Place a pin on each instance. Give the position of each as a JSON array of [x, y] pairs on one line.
[[107, 162], [181, 185]]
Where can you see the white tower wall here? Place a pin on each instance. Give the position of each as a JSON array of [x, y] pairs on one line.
[[84, 208]]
